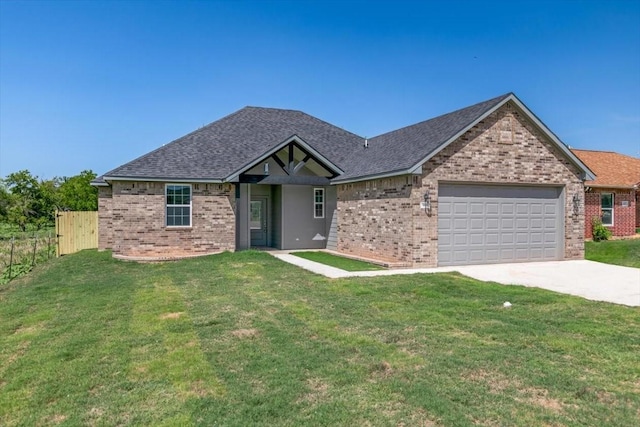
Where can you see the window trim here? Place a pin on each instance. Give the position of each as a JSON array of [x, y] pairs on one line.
[[613, 203], [316, 203], [167, 205]]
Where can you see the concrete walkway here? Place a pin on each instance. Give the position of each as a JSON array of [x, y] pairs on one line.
[[588, 279]]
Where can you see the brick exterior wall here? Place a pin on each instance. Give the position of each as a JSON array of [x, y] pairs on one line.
[[383, 219], [137, 225], [637, 201], [624, 218], [105, 218]]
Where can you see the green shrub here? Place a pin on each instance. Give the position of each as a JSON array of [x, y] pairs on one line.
[[600, 232]]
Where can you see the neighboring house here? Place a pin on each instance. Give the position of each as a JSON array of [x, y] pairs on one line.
[[613, 195], [485, 184]]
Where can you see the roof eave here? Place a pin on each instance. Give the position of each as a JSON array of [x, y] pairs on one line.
[[164, 179], [614, 186], [411, 171]]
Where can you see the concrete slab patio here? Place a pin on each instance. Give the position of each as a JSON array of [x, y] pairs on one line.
[[588, 279]]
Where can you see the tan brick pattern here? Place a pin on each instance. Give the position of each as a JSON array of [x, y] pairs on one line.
[[138, 221], [105, 223], [504, 148]]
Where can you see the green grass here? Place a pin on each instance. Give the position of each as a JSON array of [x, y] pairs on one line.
[[343, 263], [619, 252], [245, 339]]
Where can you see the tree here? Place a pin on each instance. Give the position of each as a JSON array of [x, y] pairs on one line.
[[25, 193], [5, 201], [29, 201], [77, 193]]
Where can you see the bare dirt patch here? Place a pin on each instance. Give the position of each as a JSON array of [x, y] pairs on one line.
[[540, 397], [56, 419], [496, 381], [318, 390], [244, 333], [172, 315]]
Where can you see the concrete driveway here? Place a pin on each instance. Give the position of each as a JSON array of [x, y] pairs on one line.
[[588, 279]]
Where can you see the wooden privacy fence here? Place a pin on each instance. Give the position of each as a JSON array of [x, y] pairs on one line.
[[76, 231]]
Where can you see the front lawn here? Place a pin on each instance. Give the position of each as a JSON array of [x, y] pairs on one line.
[[619, 252], [245, 339], [343, 263]]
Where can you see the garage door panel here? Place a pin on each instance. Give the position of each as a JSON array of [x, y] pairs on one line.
[[535, 209], [489, 224], [476, 239], [476, 208], [459, 224], [476, 223], [492, 223], [461, 208], [460, 239], [507, 208], [522, 209], [505, 239], [492, 238], [536, 253], [522, 254]]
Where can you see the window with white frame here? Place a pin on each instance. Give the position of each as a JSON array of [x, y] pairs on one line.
[[606, 208], [178, 201], [318, 202]]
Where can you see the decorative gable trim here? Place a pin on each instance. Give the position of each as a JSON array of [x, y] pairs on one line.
[[293, 139]]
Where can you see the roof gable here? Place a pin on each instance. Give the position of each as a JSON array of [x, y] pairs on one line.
[[612, 170], [403, 151], [224, 148]]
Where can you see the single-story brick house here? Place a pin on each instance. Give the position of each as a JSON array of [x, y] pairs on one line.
[[484, 184], [613, 195]]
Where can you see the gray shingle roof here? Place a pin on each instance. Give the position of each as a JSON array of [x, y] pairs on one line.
[[404, 148], [230, 145], [221, 148]]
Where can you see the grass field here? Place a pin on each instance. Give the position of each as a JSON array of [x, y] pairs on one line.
[[619, 252], [337, 261], [244, 339]]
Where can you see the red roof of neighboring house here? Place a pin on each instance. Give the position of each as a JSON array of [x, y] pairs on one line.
[[612, 169]]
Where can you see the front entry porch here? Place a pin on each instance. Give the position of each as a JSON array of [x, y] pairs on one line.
[[284, 216]]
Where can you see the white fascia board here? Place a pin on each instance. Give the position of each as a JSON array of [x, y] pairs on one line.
[[616, 187], [293, 138], [412, 171], [99, 184], [172, 180]]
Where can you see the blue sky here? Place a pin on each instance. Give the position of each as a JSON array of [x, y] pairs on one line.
[[94, 84]]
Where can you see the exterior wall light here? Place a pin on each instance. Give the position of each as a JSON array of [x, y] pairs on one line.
[[427, 203], [266, 168], [576, 204]]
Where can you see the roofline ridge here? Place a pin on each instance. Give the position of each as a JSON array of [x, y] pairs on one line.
[[495, 100], [607, 151]]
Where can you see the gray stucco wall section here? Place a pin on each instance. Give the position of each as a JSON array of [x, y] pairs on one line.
[[276, 216], [242, 217], [299, 225]]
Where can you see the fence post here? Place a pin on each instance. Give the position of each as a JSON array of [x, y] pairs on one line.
[[11, 258], [35, 245]]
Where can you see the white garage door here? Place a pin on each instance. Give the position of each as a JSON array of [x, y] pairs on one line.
[[479, 224]]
